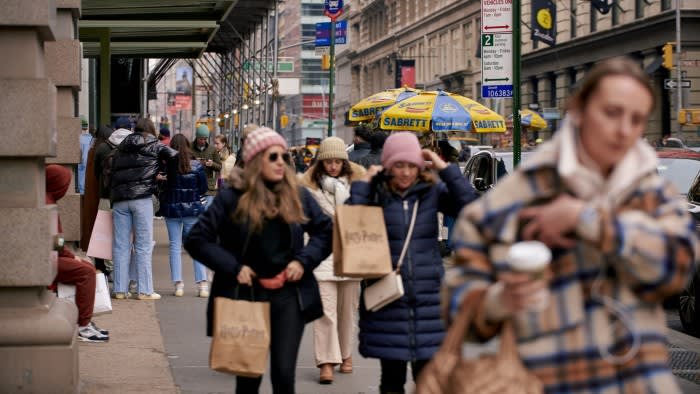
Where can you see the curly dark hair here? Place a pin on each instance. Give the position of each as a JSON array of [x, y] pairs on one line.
[[364, 131], [319, 171]]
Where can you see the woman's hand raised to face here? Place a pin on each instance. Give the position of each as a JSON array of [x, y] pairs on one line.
[[434, 161], [371, 172]]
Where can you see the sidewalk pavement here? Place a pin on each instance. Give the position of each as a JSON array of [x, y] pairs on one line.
[[134, 359]]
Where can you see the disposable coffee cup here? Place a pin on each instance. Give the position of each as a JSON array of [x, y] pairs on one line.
[[533, 258]]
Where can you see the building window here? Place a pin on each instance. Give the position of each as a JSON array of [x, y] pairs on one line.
[[594, 19], [639, 9], [572, 79], [552, 90], [615, 12], [665, 5], [535, 91], [311, 9], [572, 8]]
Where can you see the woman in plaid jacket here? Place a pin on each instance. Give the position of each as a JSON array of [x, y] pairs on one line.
[[621, 242]]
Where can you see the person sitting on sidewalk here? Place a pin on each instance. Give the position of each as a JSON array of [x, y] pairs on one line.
[[73, 270]]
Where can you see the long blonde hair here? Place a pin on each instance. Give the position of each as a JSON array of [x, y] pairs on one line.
[[261, 202]]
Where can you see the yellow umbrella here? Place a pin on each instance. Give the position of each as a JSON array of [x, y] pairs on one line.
[[369, 107], [531, 119], [441, 111]]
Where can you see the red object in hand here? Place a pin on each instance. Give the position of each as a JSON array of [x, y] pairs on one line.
[[274, 283]]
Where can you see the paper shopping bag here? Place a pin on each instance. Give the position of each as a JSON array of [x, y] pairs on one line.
[[103, 303], [360, 242], [241, 340], [101, 239]]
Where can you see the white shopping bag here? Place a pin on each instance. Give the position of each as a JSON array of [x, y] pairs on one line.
[[103, 304]]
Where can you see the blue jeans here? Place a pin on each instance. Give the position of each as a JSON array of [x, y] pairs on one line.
[[177, 229], [136, 216]]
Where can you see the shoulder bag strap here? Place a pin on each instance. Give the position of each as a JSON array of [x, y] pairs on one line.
[[408, 236]]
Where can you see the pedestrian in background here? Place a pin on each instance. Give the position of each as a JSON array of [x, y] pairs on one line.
[[621, 240], [252, 237], [180, 205], [134, 169], [164, 136], [246, 130], [329, 183], [409, 329], [228, 159], [71, 269], [94, 193], [374, 157], [207, 155], [85, 141], [361, 146]]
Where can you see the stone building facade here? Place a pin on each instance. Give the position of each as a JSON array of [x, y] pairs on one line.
[[40, 124], [443, 38]]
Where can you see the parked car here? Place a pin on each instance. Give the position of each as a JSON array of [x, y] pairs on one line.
[[682, 168], [486, 167]]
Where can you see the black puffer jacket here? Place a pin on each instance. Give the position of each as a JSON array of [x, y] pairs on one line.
[[138, 160]]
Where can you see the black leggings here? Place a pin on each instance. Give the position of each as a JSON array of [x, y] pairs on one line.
[[394, 374], [286, 329]]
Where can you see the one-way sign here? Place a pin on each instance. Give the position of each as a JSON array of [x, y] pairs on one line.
[[673, 83]]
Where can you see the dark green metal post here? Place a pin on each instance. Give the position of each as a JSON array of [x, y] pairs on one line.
[[516, 83], [330, 79], [105, 77]]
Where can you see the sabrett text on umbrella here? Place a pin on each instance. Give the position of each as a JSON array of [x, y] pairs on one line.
[[489, 124], [366, 111], [405, 122]]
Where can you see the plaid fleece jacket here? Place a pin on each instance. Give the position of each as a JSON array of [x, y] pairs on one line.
[[644, 251]]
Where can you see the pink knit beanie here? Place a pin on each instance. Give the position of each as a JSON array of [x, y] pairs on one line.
[[259, 140], [402, 147]]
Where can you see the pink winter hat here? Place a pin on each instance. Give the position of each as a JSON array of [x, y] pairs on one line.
[[402, 147], [259, 140]]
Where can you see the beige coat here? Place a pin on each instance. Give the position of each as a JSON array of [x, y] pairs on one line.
[[327, 200]]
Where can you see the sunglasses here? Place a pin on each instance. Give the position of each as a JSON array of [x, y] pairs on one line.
[[276, 155]]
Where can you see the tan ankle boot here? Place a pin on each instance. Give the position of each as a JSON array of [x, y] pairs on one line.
[[346, 366], [326, 376]]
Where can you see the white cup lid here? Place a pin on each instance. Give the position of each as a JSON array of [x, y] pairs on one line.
[[529, 256]]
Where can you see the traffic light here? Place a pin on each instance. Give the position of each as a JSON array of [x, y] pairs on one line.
[[325, 62], [668, 56], [284, 121]]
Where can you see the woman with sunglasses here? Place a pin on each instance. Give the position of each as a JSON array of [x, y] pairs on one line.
[[328, 180], [252, 237]]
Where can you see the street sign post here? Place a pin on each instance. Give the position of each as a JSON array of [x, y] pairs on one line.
[[496, 17], [500, 58], [323, 33], [672, 83], [333, 8], [496, 49], [497, 65]]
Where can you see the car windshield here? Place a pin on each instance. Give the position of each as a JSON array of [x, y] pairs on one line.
[[680, 172]]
